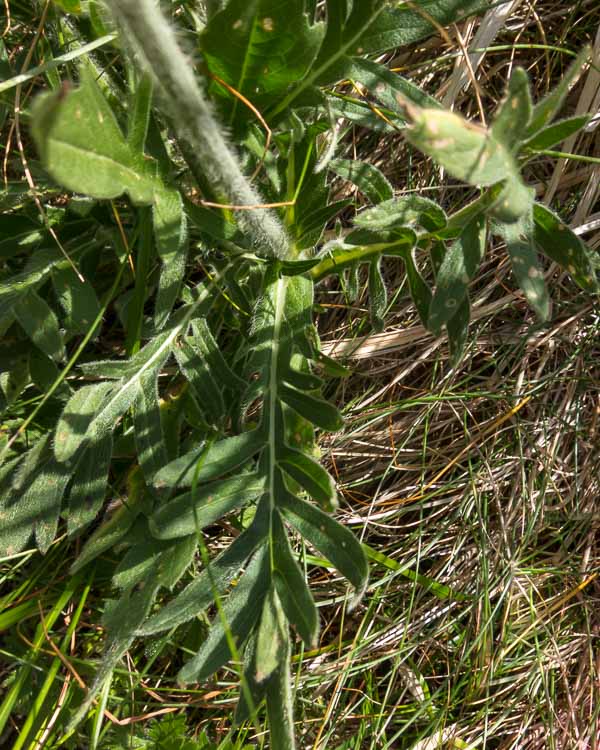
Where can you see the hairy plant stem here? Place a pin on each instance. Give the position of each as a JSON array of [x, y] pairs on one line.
[[193, 119]]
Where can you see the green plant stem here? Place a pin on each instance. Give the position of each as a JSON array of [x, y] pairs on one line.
[[193, 119], [564, 155]]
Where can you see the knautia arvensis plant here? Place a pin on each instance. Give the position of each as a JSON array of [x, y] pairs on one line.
[[213, 408]]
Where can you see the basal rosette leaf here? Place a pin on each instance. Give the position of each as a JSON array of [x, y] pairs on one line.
[[240, 611]]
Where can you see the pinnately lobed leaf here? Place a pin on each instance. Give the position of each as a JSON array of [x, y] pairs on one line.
[[334, 541], [204, 505], [240, 613]]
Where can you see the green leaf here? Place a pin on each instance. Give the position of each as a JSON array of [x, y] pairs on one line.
[[377, 295], [296, 267], [40, 323], [206, 343], [121, 369], [351, 283], [547, 109], [468, 152], [69, 6], [458, 331], [36, 271], [318, 411], [138, 562], [271, 637], [164, 562], [111, 531], [554, 134], [372, 26], [405, 23], [367, 178], [279, 706], [76, 418], [83, 148], [13, 354], [305, 381], [170, 231], [240, 612], [270, 45], [460, 264], [310, 475], [18, 233], [147, 363], [199, 594], [563, 246], [419, 289], [244, 711], [401, 212], [77, 298], [205, 463], [139, 112], [149, 436], [203, 506], [121, 617], [16, 520], [175, 560], [14, 382], [44, 373], [358, 113], [124, 394], [206, 388], [292, 588], [514, 113], [388, 87], [41, 502], [334, 541], [343, 38], [333, 368], [89, 484], [519, 238]]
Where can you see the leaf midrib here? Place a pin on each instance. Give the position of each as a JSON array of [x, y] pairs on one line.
[[274, 394]]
